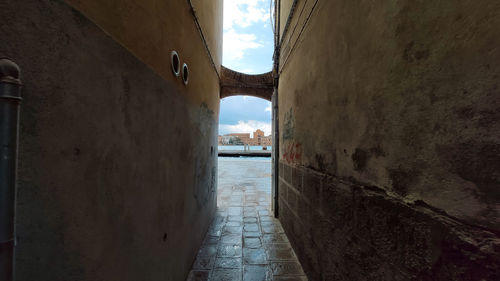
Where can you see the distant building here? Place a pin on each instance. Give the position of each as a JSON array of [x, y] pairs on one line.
[[234, 139], [258, 133], [259, 139]]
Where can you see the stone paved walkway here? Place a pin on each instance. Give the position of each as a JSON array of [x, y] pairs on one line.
[[245, 242]]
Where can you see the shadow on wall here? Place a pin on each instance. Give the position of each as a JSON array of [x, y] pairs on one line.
[[110, 181]]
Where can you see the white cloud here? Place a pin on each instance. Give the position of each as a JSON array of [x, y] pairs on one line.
[[249, 126], [269, 109], [235, 44], [242, 13]]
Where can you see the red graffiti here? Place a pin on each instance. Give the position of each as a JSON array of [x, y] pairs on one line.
[[292, 153]]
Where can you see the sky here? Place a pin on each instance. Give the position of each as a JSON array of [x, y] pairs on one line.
[[248, 48]]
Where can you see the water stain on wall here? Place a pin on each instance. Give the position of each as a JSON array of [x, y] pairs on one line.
[[288, 125]]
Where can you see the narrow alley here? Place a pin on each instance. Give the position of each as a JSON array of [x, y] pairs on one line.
[[245, 242], [384, 118]]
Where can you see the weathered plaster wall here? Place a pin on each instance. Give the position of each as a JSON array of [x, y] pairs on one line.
[[392, 108], [117, 176], [152, 29], [210, 16], [286, 9]]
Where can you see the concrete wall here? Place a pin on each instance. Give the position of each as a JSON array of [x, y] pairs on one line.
[[389, 144], [117, 176]]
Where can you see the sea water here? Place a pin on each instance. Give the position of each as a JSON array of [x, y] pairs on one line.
[[241, 147]]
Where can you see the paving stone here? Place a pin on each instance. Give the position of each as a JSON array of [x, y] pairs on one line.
[[274, 238], [218, 226], [233, 223], [270, 223], [278, 246], [286, 268], [252, 242], [206, 263], [232, 229], [264, 213], [228, 263], [280, 254], [250, 220], [254, 256], [252, 234], [250, 213], [231, 239], [267, 219], [250, 198], [234, 218], [219, 219], [271, 228], [226, 275], [245, 241], [220, 214], [211, 239], [257, 273], [251, 227], [214, 232], [207, 250], [229, 250], [234, 211]]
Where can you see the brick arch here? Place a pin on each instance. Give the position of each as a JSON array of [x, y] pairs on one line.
[[235, 83]]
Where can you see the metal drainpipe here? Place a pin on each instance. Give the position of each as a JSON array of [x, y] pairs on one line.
[[10, 100]]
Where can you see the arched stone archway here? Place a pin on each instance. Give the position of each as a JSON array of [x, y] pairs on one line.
[[235, 83]]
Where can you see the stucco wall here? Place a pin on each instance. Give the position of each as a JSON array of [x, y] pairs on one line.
[[117, 177], [210, 16], [285, 10], [152, 29], [404, 97], [399, 96]]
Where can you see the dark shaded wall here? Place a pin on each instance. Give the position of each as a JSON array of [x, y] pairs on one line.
[[389, 139], [117, 177]]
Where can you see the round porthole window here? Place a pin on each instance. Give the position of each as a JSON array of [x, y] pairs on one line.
[[185, 74], [176, 63]]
